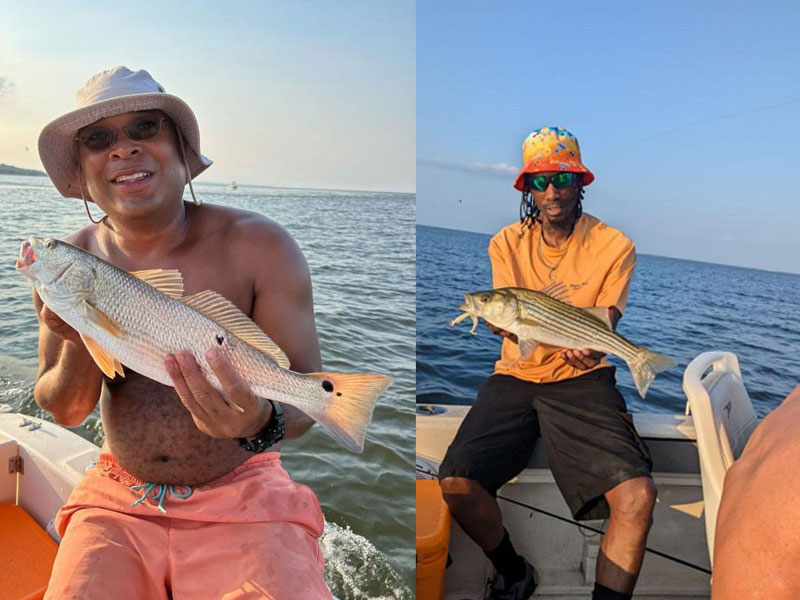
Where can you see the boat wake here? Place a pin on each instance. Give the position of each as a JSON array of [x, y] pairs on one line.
[[356, 570], [15, 394]]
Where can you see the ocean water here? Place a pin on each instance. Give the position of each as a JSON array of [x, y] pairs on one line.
[[677, 307], [360, 250]]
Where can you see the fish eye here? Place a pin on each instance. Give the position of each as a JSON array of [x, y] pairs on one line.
[[486, 297], [49, 243]]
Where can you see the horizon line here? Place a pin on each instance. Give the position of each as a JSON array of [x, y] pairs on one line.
[[291, 187], [705, 262], [278, 187]]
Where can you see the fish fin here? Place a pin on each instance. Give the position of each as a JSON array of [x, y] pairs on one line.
[[556, 290], [351, 400], [102, 358], [600, 312], [526, 347], [226, 314], [166, 281], [100, 319], [645, 366]]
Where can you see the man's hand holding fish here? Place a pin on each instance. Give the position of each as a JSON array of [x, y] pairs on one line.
[[212, 410]]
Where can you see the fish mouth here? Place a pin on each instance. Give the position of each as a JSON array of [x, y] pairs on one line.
[[469, 303], [469, 312], [26, 256]]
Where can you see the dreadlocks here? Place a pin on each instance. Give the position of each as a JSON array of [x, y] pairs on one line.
[[529, 212]]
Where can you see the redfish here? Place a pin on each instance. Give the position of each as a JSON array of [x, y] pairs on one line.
[[138, 319]]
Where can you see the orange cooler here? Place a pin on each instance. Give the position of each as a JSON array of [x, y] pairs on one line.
[[433, 540]]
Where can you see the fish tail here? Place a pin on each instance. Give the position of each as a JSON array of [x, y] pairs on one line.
[[352, 398], [645, 365]]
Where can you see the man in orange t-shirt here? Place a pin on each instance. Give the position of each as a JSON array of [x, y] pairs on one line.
[[568, 397]]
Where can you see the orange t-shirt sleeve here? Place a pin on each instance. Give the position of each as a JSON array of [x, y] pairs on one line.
[[614, 291], [502, 275]]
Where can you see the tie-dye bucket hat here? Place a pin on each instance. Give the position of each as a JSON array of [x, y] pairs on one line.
[[551, 149]]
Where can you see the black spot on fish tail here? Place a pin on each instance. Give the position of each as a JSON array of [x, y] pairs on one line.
[[327, 386]]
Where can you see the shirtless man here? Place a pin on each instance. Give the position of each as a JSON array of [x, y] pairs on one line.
[[756, 546], [206, 518]]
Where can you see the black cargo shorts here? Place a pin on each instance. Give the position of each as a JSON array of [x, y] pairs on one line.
[[588, 435]]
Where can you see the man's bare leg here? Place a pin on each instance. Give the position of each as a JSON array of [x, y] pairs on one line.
[[622, 549], [478, 514], [475, 510]]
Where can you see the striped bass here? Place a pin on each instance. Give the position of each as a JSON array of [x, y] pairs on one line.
[[541, 318], [138, 319]]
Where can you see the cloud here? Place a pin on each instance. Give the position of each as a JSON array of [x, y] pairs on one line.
[[497, 170], [6, 85]]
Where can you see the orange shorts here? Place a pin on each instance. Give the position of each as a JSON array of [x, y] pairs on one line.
[[251, 534]]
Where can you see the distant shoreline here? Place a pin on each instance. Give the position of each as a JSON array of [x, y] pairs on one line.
[[9, 170]]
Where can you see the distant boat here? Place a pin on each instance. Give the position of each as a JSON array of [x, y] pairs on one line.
[[232, 186]]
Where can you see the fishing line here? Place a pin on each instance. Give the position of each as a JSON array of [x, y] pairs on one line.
[[433, 475], [706, 120], [600, 531]]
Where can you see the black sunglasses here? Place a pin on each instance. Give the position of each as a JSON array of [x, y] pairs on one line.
[[561, 180], [138, 129]]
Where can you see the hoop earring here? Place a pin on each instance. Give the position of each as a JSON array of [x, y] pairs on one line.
[[85, 202], [186, 167]]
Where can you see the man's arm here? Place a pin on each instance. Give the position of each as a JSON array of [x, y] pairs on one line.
[[283, 308], [501, 277], [586, 358], [614, 294], [756, 546], [68, 382]]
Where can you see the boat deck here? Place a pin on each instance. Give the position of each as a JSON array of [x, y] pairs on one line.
[[564, 554]]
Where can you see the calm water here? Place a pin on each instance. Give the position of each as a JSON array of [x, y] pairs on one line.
[[677, 307], [360, 249]]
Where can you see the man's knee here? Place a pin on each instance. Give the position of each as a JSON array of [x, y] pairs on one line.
[[633, 499], [459, 491]]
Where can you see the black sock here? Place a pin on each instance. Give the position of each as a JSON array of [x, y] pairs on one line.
[[601, 592], [506, 561]]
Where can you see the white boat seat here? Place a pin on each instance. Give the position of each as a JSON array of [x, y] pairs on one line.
[[723, 418]]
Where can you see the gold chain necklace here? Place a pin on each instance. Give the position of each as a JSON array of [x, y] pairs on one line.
[[541, 255]]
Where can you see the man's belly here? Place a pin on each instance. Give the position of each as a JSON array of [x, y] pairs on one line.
[[153, 436]]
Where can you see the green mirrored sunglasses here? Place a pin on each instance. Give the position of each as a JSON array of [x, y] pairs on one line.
[[539, 183]]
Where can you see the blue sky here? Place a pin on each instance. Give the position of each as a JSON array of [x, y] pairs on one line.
[[308, 94], [688, 113]]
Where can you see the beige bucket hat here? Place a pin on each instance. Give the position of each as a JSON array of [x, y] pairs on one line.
[[113, 92]]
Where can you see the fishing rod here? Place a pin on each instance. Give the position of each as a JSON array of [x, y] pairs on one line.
[[587, 527], [601, 532]]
